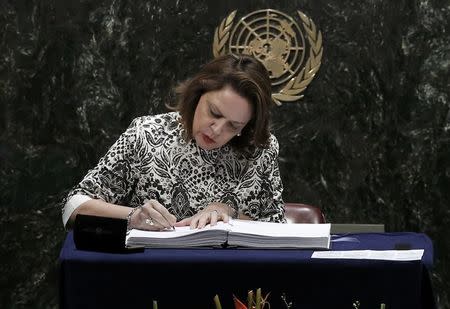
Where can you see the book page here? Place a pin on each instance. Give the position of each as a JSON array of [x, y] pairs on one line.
[[280, 229], [257, 234], [181, 237], [178, 232]]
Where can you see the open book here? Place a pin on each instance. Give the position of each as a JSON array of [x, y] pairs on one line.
[[241, 233]]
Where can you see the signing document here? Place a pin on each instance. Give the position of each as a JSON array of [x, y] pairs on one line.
[[236, 233]]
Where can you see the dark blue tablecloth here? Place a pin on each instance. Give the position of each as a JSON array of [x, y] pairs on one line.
[[189, 278]]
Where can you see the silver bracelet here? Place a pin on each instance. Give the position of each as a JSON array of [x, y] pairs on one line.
[[130, 215]]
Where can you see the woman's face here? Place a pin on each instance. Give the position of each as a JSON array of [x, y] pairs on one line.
[[220, 115]]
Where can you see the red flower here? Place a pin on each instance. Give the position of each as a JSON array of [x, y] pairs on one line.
[[238, 304]]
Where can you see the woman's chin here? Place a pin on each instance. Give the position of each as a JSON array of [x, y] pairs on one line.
[[204, 144]]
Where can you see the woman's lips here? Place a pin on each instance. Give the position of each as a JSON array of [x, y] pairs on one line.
[[207, 139]]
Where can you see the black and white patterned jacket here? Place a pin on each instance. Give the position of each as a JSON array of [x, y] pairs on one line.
[[151, 160]]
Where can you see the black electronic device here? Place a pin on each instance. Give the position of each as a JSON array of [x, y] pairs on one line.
[[95, 233]]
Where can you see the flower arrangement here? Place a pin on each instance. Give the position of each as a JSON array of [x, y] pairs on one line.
[[256, 300]]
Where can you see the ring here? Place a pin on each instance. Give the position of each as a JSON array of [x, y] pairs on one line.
[[214, 211], [149, 221]]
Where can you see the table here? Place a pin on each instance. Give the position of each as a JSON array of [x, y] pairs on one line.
[[189, 278]]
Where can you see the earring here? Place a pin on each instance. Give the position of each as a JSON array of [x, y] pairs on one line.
[[239, 134]]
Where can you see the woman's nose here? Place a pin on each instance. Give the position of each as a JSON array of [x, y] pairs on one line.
[[217, 126]]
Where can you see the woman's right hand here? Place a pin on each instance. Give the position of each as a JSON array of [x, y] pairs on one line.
[[152, 216]]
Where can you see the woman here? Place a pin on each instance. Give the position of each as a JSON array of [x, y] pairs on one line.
[[210, 159]]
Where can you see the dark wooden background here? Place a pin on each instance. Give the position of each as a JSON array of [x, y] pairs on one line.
[[369, 142]]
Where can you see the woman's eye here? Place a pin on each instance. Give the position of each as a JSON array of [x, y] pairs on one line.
[[214, 114], [233, 127]]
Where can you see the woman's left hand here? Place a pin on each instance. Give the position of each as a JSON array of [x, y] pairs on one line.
[[209, 215]]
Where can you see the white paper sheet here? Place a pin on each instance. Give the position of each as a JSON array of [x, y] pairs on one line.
[[390, 255]]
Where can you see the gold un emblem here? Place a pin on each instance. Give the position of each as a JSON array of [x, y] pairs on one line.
[[277, 41]]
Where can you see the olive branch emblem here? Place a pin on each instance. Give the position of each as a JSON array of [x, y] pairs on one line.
[[222, 34], [296, 85]]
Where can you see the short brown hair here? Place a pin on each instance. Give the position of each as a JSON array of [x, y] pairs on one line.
[[248, 78]]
